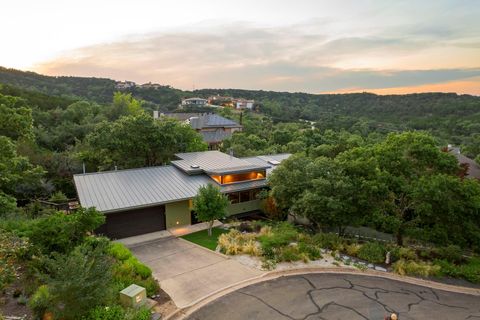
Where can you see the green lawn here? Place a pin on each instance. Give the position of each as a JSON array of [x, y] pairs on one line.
[[201, 238]]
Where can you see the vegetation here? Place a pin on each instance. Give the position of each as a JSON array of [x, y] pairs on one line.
[[202, 238], [209, 205]]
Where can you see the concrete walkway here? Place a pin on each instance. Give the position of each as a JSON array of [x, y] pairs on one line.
[[188, 272], [176, 232]]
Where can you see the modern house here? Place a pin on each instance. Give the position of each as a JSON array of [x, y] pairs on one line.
[[138, 201], [213, 128], [198, 102]]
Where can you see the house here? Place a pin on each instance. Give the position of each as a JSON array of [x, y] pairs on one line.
[[473, 169], [243, 104], [124, 85], [213, 128], [144, 200], [221, 101], [198, 102]]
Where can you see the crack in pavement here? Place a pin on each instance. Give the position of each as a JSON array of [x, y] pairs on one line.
[[377, 298]]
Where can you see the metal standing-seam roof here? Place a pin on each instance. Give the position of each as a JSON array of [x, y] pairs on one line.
[[213, 162], [122, 190]]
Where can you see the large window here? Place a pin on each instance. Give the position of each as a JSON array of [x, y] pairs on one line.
[[239, 177], [243, 196]]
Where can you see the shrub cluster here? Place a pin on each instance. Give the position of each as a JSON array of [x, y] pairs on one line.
[[128, 270]]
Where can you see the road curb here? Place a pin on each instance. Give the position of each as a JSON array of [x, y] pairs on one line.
[[186, 311]]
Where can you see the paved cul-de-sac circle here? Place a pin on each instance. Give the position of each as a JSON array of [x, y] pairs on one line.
[[339, 296]]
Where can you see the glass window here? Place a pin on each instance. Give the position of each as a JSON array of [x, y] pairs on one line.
[[234, 197], [245, 196]]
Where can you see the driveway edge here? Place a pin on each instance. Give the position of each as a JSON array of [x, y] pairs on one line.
[[184, 312]]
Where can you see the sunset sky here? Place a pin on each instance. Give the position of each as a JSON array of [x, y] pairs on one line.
[[284, 45]]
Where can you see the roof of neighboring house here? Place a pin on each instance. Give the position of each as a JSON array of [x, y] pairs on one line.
[[194, 98], [204, 120], [121, 190], [473, 167]]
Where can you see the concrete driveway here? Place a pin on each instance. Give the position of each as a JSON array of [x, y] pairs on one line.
[[188, 272], [339, 296]]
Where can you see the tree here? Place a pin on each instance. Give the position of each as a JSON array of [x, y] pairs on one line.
[[403, 159], [448, 210], [289, 180], [139, 141], [15, 118], [210, 204], [80, 280], [124, 104], [15, 173]]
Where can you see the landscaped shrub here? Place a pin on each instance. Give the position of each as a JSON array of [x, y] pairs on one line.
[[11, 249], [311, 251], [450, 253], [405, 267], [397, 253], [289, 254], [235, 242], [62, 232], [373, 252], [328, 241], [114, 312], [58, 197], [119, 251], [281, 235], [40, 301], [141, 313], [352, 249], [469, 271]]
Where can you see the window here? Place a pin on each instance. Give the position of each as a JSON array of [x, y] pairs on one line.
[[234, 197], [239, 177], [245, 196]]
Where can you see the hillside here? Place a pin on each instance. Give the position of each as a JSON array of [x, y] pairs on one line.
[[452, 118]]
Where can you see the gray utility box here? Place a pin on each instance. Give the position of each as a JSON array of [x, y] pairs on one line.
[[133, 296]]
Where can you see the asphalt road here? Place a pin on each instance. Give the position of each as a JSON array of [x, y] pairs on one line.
[[330, 296]]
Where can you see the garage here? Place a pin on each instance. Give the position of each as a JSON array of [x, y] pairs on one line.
[[133, 222]]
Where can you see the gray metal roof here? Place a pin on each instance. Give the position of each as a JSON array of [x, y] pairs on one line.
[[215, 136], [213, 162], [268, 160], [121, 190], [204, 120]]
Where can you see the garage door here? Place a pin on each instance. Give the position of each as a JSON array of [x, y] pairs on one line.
[[133, 222]]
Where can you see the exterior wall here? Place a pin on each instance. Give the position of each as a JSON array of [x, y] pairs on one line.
[[236, 208], [177, 211]]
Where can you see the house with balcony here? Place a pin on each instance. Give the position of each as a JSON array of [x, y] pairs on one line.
[[144, 200]]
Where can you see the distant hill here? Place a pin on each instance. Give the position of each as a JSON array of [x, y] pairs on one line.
[[452, 117]]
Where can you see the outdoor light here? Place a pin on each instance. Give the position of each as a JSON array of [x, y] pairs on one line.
[[178, 222]]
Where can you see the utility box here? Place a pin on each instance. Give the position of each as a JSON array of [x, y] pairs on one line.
[[133, 296]]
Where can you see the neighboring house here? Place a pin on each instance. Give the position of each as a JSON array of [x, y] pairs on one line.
[[124, 85], [243, 104], [213, 128], [221, 101], [144, 200], [473, 171], [194, 102]]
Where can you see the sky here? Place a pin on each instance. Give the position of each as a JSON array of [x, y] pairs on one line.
[[316, 46]]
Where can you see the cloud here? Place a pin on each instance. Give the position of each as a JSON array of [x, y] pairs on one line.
[[296, 58]]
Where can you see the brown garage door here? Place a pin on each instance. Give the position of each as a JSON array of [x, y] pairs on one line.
[[133, 222]]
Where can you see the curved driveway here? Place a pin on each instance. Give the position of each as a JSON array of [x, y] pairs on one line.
[[339, 296]]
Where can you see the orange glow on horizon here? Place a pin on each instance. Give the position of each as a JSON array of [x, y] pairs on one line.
[[468, 86]]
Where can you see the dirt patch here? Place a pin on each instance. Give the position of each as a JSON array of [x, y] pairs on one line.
[[165, 305], [13, 302]]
